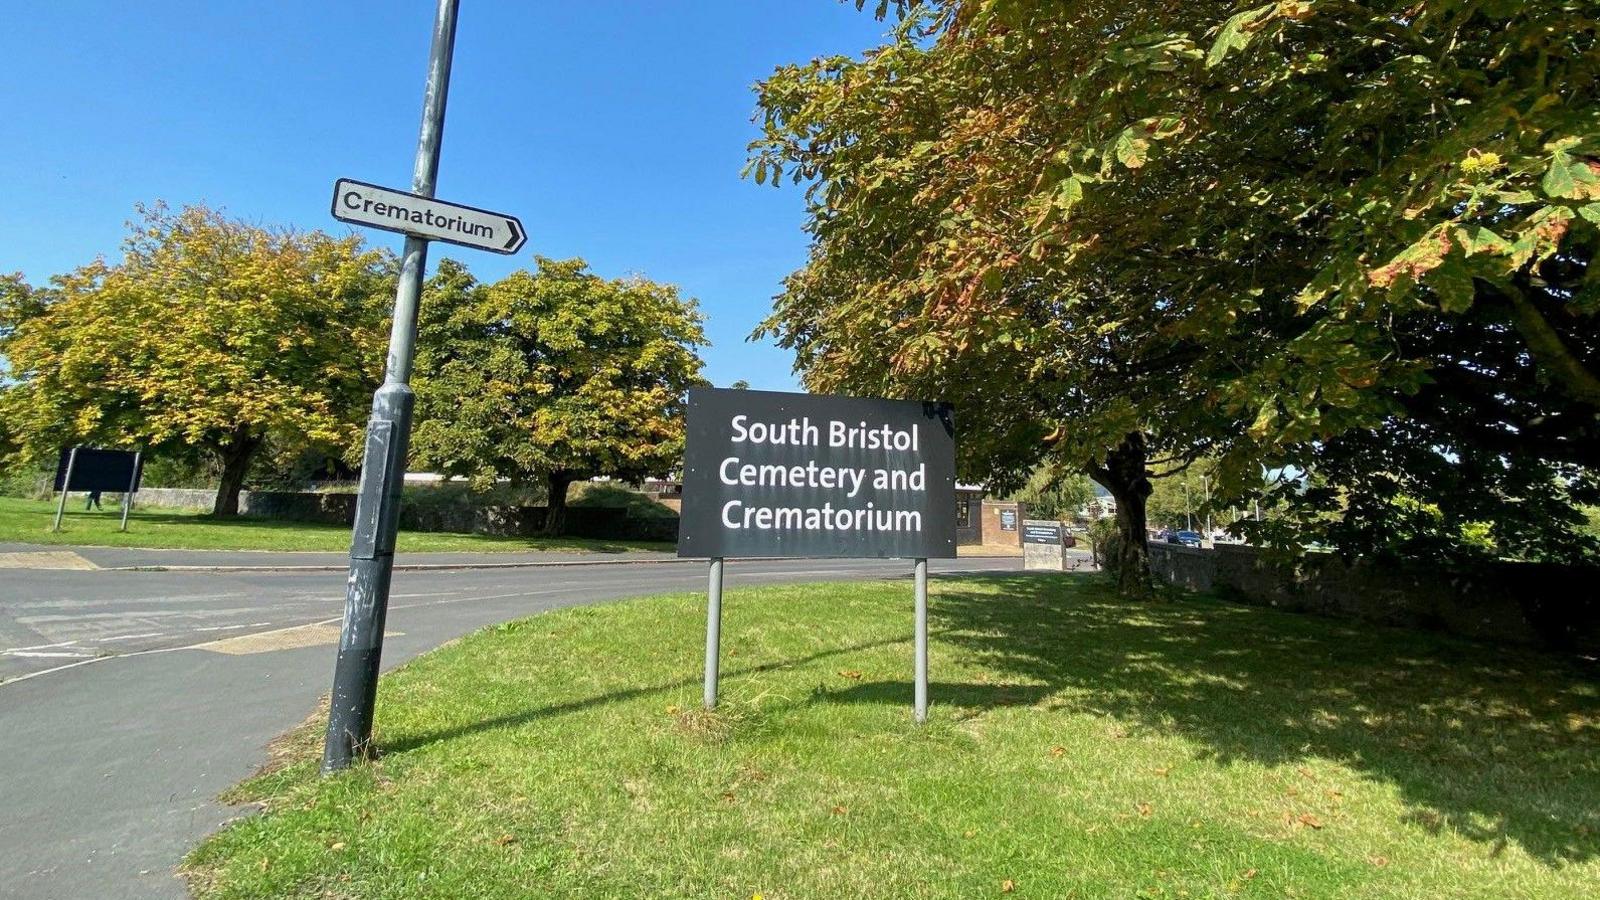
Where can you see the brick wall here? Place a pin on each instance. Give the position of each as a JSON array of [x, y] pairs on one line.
[[993, 534]]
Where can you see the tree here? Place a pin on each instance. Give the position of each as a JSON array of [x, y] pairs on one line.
[[740, 385], [1137, 234], [210, 336], [554, 374], [1053, 494]]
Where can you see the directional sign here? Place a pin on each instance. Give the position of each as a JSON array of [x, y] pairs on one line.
[[379, 207]]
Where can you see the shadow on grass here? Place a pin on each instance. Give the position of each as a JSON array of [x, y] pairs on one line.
[[960, 694], [523, 717], [1500, 745]]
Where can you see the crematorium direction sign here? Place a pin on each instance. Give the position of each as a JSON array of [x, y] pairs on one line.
[[360, 203], [777, 474]]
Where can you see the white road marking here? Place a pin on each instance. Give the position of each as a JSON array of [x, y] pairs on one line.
[[226, 627], [129, 637], [201, 644], [39, 646], [48, 654]]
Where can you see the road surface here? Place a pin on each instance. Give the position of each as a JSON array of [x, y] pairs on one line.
[[131, 699]]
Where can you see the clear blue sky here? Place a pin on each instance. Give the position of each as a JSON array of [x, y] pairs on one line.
[[614, 128]]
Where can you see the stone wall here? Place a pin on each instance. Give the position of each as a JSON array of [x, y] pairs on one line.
[[177, 498], [1521, 603], [602, 523]]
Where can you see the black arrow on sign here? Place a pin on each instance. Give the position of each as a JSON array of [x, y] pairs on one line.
[[517, 237]]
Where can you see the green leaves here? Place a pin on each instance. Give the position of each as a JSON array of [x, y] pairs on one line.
[[1303, 213], [1235, 33], [208, 332], [1132, 151], [1453, 284], [555, 370], [1569, 177]]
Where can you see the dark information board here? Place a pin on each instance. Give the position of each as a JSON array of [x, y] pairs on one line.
[[99, 470], [1041, 534], [775, 474], [1008, 520]]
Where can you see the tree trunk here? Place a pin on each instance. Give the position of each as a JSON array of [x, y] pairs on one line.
[[555, 507], [1124, 475], [235, 456]]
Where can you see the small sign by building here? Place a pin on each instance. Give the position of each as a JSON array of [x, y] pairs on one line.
[[1042, 533], [1008, 520], [1043, 545]]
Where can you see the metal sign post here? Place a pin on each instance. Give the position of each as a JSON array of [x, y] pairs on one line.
[[61, 507], [804, 475], [919, 708], [133, 488], [355, 676], [713, 633]]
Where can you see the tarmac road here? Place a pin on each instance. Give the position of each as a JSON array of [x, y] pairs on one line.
[[130, 699]]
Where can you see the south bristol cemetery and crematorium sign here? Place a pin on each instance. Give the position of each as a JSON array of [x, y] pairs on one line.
[[773, 474]]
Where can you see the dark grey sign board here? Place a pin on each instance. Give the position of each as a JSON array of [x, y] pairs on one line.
[[1041, 534], [776, 474], [1008, 520], [100, 470]]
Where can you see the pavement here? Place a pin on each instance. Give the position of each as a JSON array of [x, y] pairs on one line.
[[129, 699]]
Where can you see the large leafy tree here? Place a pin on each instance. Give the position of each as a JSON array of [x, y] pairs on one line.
[[554, 374], [210, 336], [1131, 234]]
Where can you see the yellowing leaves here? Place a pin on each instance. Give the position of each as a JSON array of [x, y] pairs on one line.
[[213, 334], [1132, 151], [1571, 177]]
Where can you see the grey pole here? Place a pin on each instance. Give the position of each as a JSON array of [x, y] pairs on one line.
[[713, 632], [127, 499], [61, 507], [355, 674], [920, 709]]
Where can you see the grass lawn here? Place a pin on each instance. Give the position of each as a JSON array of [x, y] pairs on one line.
[[1078, 747], [28, 521]]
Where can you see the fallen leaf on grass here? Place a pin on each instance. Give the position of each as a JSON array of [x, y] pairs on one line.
[[965, 834], [840, 810], [1248, 874], [728, 796], [1379, 861], [1007, 886], [673, 710], [505, 840], [1145, 810], [1058, 750], [1310, 821], [852, 674], [1163, 771]]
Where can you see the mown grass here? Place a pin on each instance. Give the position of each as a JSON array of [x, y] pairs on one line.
[[1078, 746], [28, 521]]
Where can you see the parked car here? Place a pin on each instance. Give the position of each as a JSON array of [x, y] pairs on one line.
[[1186, 538]]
